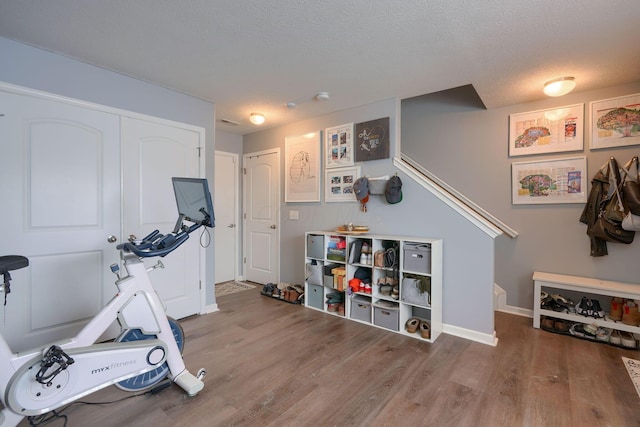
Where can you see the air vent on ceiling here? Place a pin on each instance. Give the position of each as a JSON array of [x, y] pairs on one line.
[[229, 122]]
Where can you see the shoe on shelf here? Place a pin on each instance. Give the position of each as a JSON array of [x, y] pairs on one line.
[[395, 293], [615, 338], [583, 306], [597, 311], [425, 330], [578, 330], [546, 323], [561, 326], [603, 334], [412, 325], [564, 303], [627, 339]]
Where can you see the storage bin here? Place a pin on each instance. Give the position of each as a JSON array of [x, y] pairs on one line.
[[417, 257], [315, 246], [315, 298], [387, 316], [361, 308], [328, 280]]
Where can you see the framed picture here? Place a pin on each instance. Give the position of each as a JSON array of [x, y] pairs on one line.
[[339, 146], [302, 163], [338, 186], [547, 131], [549, 181], [615, 122], [372, 140]]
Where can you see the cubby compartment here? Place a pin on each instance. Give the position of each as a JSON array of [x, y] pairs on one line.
[[417, 257], [416, 289], [315, 246], [336, 248]]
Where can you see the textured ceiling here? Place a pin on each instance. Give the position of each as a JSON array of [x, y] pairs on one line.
[[253, 55]]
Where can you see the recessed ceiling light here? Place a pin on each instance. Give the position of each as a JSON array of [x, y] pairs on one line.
[[559, 87]]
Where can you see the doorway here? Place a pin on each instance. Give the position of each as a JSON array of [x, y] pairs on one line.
[[226, 199], [262, 216]]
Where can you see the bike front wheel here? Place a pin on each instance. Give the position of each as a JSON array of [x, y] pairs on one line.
[[149, 379]]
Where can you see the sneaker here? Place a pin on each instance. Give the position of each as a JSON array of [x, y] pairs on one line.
[[597, 311], [627, 340], [583, 306], [615, 338], [367, 288]]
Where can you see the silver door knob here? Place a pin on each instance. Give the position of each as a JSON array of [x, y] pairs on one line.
[[132, 237], [231, 225], [112, 239], [273, 226]]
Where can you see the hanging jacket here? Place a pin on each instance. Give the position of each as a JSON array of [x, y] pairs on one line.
[[599, 190]]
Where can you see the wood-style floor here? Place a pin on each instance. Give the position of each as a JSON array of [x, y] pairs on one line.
[[271, 363]]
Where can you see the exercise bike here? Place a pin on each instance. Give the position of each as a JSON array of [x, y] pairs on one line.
[[147, 351]]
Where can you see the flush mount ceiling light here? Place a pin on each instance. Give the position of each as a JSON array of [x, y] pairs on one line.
[[321, 96], [256, 118], [559, 87]]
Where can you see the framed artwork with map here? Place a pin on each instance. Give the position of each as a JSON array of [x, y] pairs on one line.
[[547, 131], [615, 122], [549, 181]]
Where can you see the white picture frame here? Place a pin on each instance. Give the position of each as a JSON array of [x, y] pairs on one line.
[[339, 146], [615, 132], [302, 168], [338, 186], [552, 130], [549, 181]]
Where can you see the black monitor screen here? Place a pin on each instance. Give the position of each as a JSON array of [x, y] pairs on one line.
[[194, 200]]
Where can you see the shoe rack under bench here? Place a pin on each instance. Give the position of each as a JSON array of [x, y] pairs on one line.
[[606, 288]]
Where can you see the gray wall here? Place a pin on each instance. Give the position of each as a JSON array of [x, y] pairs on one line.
[[42, 70], [229, 142], [468, 252], [468, 149]]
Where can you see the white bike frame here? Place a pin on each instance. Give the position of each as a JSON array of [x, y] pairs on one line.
[[136, 306]]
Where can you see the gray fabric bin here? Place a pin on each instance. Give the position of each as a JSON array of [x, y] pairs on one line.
[[361, 308], [387, 317], [315, 246], [315, 298], [417, 258]]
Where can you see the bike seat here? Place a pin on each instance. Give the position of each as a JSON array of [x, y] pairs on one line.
[[12, 262]]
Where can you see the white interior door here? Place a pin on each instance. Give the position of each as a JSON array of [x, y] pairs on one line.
[[60, 201], [261, 204], [226, 207], [153, 153]]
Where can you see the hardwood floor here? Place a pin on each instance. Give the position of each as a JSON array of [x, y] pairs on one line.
[[270, 363]]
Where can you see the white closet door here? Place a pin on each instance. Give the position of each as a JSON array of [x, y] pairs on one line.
[[60, 197], [152, 154]]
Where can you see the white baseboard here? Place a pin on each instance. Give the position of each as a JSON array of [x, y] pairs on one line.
[[500, 303], [210, 309], [488, 339], [524, 312]]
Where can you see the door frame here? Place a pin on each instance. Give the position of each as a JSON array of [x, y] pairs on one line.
[[245, 156], [236, 211]]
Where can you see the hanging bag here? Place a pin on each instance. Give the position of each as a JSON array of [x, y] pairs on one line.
[[608, 226], [631, 186], [611, 207]]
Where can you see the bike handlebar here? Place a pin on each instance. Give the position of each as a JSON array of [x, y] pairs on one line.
[[156, 244]]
